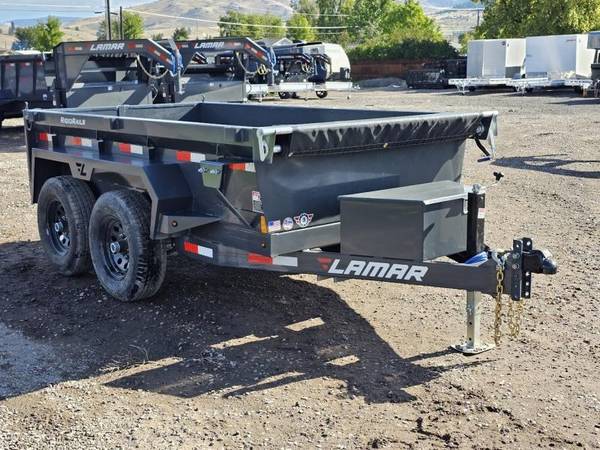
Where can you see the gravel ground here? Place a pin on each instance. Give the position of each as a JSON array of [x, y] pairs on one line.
[[239, 359]]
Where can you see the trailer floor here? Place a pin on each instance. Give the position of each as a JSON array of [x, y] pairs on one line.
[[231, 358]]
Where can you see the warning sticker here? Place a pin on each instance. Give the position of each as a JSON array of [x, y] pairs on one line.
[[256, 202], [273, 226]]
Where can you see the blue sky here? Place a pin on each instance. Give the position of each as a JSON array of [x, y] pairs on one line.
[[33, 9]]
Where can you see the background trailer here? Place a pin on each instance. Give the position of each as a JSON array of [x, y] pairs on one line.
[[492, 62], [551, 61]]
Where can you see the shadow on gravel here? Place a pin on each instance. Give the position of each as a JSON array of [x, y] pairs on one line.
[[209, 330], [12, 139], [550, 164], [583, 101]]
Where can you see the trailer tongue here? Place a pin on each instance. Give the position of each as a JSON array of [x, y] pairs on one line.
[[342, 194]]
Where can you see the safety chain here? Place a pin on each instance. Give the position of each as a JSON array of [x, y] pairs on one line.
[[499, 292], [515, 316], [515, 312]]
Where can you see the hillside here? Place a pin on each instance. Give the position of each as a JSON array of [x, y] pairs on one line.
[[452, 22]]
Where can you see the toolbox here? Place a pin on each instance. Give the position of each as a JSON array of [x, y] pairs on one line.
[[419, 222]]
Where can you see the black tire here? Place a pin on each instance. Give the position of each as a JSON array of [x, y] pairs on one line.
[[129, 265], [321, 94], [64, 208], [284, 95]]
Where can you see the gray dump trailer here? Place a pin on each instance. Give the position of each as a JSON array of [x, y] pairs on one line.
[[339, 193]]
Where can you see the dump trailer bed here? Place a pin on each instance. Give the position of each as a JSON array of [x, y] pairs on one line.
[[339, 193], [23, 81]]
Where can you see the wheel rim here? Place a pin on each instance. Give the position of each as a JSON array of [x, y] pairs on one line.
[[115, 248], [57, 227]]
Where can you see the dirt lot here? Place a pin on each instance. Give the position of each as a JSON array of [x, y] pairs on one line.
[[239, 359]]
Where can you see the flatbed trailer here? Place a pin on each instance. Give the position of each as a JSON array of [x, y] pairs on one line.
[[528, 85], [465, 85], [24, 79], [339, 193]]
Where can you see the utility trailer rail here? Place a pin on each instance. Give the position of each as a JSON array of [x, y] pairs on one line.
[[338, 193], [464, 85]]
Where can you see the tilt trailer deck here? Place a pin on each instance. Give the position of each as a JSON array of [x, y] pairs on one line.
[[24, 79], [110, 73], [339, 193]]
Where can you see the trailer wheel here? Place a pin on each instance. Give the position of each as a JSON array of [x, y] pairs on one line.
[[284, 95], [129, 265], [321, 94], [64, 209]]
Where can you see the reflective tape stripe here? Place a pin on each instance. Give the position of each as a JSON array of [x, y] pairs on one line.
[[242, 167], [79, 141], [183, 155], [289, 261], [255, 258], [131, 148], [197, 249]]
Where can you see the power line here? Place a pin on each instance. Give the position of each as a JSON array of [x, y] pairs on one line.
[[221, 22], [22, 6]]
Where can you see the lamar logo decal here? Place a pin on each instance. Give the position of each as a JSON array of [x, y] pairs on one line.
[[374, 269], [72, 121], [108, 46], [211, 45]]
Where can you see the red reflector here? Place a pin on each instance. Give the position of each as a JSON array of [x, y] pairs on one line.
[[189, 247], [237, 166], [184, 156], [43, 137], [255, 258], [125, 148], [76, 141]]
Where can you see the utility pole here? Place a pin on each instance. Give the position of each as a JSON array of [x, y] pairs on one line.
[[108, 20], [121, 22]]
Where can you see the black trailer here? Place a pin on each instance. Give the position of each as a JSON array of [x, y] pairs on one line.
[[436, 75], [110, 73], [307, 67], [24, 79], [339, 193], [218, 70]]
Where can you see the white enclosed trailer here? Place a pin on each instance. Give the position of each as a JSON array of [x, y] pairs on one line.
[[556, 61], [492, 62]]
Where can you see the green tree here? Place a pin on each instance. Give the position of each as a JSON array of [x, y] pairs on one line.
[[43, 37], [157, 37], [133, 27], [307, 8], [366, 18], [181, 34], [335, 13], [304, 32], [252, 25], [48, 35], [25, 38], [403, 31], [520, 18]]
